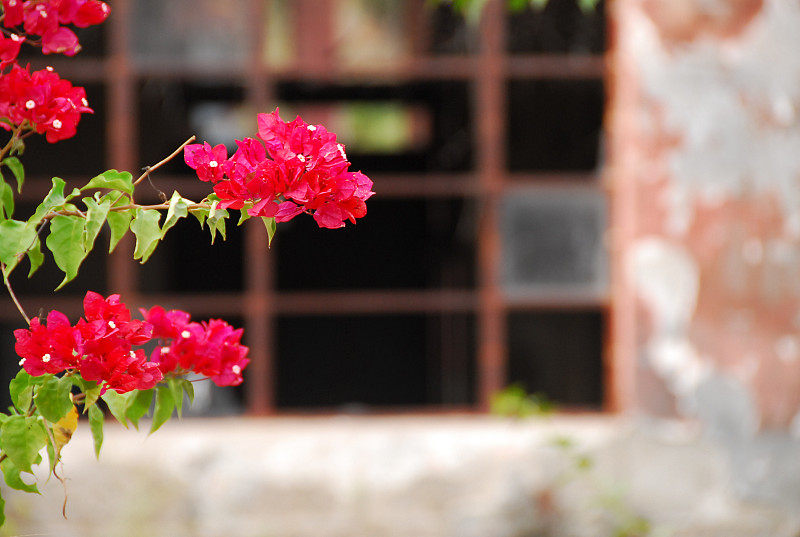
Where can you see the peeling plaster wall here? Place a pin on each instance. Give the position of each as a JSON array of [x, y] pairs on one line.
[[704, 126]]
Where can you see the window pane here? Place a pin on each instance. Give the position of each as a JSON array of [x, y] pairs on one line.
[[191, 32], [553, 243]]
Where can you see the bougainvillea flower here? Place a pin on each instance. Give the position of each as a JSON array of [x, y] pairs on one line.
[[102, 345], [48, 103], [291, 168], [48, 348], [212, 349], [206, 160], [9, 49], [60, 41]]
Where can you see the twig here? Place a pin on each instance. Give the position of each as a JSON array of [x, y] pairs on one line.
[[149, 169], [13, 296]]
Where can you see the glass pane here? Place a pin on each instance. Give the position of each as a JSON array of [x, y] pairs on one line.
[[553, 243], [191, 32]]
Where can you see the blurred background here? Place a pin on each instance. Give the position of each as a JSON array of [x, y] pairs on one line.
[[481, 262], [595, 201]]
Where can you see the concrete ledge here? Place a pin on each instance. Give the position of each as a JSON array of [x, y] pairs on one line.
[[454, 476]]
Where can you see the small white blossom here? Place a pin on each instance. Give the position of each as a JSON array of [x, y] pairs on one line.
[[112, 325], [46, 358], [213, 164], [236, 369], [21, 362], [186, 334], [56, 123], [30, 104]]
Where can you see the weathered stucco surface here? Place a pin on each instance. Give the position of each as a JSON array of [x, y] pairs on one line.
[[705, 137], [456, 476]]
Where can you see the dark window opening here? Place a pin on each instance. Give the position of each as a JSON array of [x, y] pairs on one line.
[[408, 244], [554, 125], [560, 27], [354, 363], [558, 354]]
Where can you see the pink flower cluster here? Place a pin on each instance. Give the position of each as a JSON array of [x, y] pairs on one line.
[[291, 168], [211, 349], [44, 101], [100, 347], [45, 18]]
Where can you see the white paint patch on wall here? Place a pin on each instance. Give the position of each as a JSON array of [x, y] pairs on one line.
[[666, 278], [734, 103]]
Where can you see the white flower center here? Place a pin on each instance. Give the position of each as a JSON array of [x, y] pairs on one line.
[[186, 334], [14, 37], [56, 123], [301, 158], [341, 151], [213, 164], [84, 102], [112, 325], [46, 358], [30, 104], [21, 362], [49, 68], [164, 350], [312, 128], [132, 354], [236, 369]]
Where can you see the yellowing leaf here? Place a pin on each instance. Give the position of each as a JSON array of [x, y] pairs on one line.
[[65, 428]]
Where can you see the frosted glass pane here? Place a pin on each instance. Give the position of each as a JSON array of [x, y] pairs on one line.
[[203, 33], [553, 243]]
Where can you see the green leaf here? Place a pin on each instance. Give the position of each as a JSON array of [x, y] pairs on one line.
[[12, 477], [21, 390], [90, 390], [117, 405], [54, 199], [244, 215], [119, 222], [165, 406], [22, 437], [17, 169], [6, 200], [2, 511], [271, 225], [66, 242], [179, 387], [95, 218], [35, 256], [145, 227], [216, 221], [201, 213], [112, 179], [52, 398], [178, 208], [96, 426], [138, 405], [17, 236]]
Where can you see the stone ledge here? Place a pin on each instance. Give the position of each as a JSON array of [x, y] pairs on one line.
[[405, 476]]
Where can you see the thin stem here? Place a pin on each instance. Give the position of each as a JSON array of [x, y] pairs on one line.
[[14, 296], [149, 169], [10, 144]]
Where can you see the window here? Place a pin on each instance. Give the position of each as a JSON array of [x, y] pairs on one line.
[[484, 143]]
